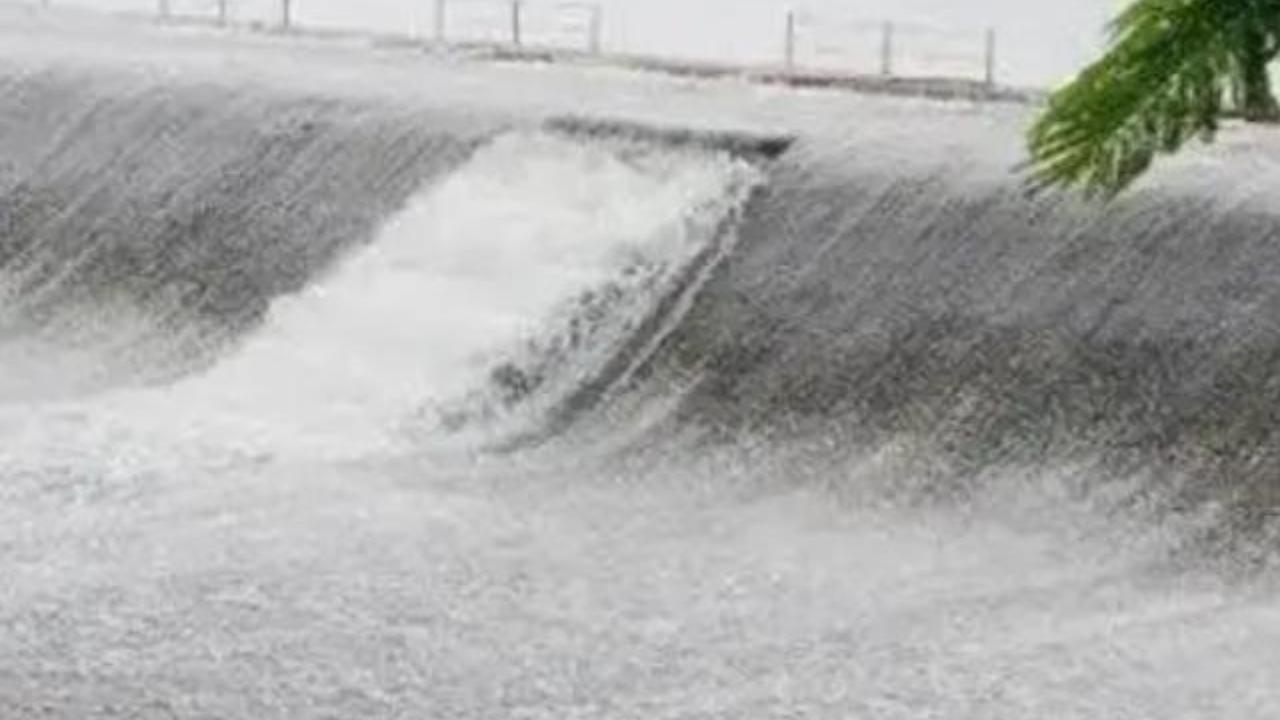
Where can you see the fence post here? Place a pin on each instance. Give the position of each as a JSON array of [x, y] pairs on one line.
[[886, 49], [440, 20], [163, 10], [790, 41], [515, 23], [990, 57], [222, 12], [595, 42], [286, 15]]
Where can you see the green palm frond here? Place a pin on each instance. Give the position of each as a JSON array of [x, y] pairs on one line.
[[1171, 65]]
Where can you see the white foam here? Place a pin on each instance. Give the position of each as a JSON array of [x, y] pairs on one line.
[[469, 269]]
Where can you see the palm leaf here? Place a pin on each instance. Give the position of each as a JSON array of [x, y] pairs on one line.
[[1162, 83]]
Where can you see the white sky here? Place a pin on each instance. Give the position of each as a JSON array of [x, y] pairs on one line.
[[1040, 41]]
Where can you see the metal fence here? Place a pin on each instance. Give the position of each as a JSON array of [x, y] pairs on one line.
[[829, 42], [571, 25], [811, 41], [520, 23]]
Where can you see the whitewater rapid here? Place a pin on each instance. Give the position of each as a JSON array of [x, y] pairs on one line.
[[382, 390]]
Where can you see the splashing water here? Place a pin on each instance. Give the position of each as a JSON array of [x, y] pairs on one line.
[[473, 266], [938, 451]]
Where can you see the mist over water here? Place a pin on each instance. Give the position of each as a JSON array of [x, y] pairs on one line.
[[321, 404]]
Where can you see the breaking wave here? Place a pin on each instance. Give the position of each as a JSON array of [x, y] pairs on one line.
[[350, 408], [302, 271]]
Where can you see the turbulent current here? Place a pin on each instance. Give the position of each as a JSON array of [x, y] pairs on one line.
[[319, 403]]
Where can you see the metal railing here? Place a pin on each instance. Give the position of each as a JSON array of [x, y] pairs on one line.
[[813, 42], [520, 23]]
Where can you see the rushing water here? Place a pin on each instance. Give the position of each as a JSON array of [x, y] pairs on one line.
[[322, 407]]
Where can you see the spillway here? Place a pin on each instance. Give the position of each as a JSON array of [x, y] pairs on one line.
[[339, 382]]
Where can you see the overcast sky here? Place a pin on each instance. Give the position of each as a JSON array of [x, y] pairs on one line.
[[1040, 41]]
